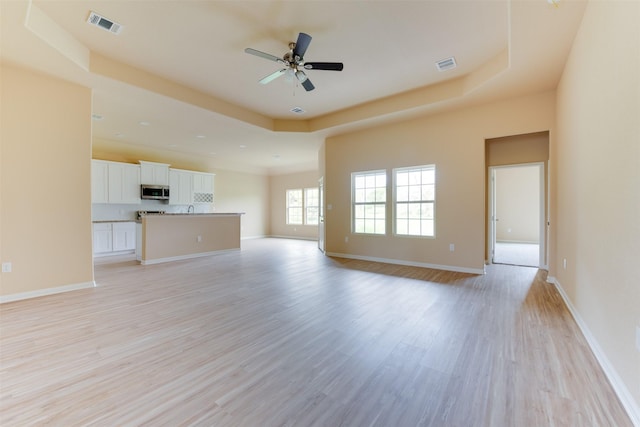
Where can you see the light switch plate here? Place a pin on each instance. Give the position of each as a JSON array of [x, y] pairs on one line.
[[6, 267]]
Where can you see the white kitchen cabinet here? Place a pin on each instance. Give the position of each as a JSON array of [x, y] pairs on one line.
[[181, 187], [115, 182], [124, 236], [202, 187], [124, 183], [114, 237], [99, 181], [102, 238], [152, 173]]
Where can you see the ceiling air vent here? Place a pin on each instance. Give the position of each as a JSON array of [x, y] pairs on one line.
[[297, 110], [446, 64], [104, 23]]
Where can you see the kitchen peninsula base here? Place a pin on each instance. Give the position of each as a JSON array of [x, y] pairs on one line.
[[173, 237]]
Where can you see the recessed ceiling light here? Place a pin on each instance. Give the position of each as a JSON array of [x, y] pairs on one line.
[[97, 117], [212, 153], [276, 156], [200, 136], [243, 146], [119, 135], [173, 145], [144, 123]]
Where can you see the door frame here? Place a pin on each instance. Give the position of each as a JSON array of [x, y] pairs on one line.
[[491, 242]]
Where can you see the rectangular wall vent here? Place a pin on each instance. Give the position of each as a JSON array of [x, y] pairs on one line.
[[446, 64], [104, 23], [297, 110]]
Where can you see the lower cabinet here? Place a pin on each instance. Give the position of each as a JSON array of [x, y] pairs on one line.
[[110, 238]]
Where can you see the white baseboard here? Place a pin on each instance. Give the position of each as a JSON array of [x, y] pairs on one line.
[[620, 388], [278, 236], [253, 237], [183, 257], [409, 263], [45, 292]]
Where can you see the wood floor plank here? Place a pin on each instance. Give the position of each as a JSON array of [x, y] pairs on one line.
[[279, 335]]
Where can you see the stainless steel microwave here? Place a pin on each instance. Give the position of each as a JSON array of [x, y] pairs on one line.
[[154, 192]]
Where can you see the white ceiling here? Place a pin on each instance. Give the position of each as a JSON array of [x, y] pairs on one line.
[[389, 49]]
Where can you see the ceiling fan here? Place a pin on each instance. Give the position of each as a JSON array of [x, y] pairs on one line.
[[294, 64]]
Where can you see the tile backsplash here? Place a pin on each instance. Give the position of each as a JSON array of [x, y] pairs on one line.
[[108, 211]]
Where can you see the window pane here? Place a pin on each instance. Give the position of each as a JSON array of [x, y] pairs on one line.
[[368, 204], [402, 226], [414, 198], [428, 192], [402, 210], [428, 176], [427, 227]]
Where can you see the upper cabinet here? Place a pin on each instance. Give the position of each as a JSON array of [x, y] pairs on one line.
[[189, 187], [152, 173], [202, 187], [99, 181], [114, 182]]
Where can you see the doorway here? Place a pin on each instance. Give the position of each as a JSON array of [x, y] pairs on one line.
[[517, 214]]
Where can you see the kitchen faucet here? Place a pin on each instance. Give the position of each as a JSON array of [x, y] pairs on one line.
[[190, 209]]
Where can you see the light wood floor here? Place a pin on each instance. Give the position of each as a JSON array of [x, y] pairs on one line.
[[279, 335]]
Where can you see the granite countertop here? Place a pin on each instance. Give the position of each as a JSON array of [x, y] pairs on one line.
[[113, 220]]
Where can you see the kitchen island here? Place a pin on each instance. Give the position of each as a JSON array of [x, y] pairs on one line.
[[172, 237]]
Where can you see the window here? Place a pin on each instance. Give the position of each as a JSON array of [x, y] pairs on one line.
[[311, 206], [303, 206], [415, 193], [294, 206], [369, 202]]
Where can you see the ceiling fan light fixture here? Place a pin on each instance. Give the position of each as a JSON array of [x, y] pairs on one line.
[[301, 76]]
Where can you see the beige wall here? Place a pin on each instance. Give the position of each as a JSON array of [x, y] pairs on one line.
[[233, 191], [518, 204], [279, 184], [597, 168], [455, 143], [45, 198]]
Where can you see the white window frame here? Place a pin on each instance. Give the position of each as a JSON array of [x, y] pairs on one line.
[[373, 210], [418, 199], [308, 206], [289, 208]]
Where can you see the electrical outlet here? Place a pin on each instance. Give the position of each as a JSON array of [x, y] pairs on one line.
[[564, 263], [6, 267], [346, 239], [452, 247], [199, 239]]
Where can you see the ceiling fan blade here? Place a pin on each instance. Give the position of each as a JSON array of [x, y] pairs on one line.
[[264, 55], [272, 76], [333, 66], [301, 45], [307, 85]]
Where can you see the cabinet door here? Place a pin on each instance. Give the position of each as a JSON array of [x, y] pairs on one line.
[[124, 236], [202, 188], [154, 173], [102, 238], [99, 182], [181, 187], [124, 183]]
